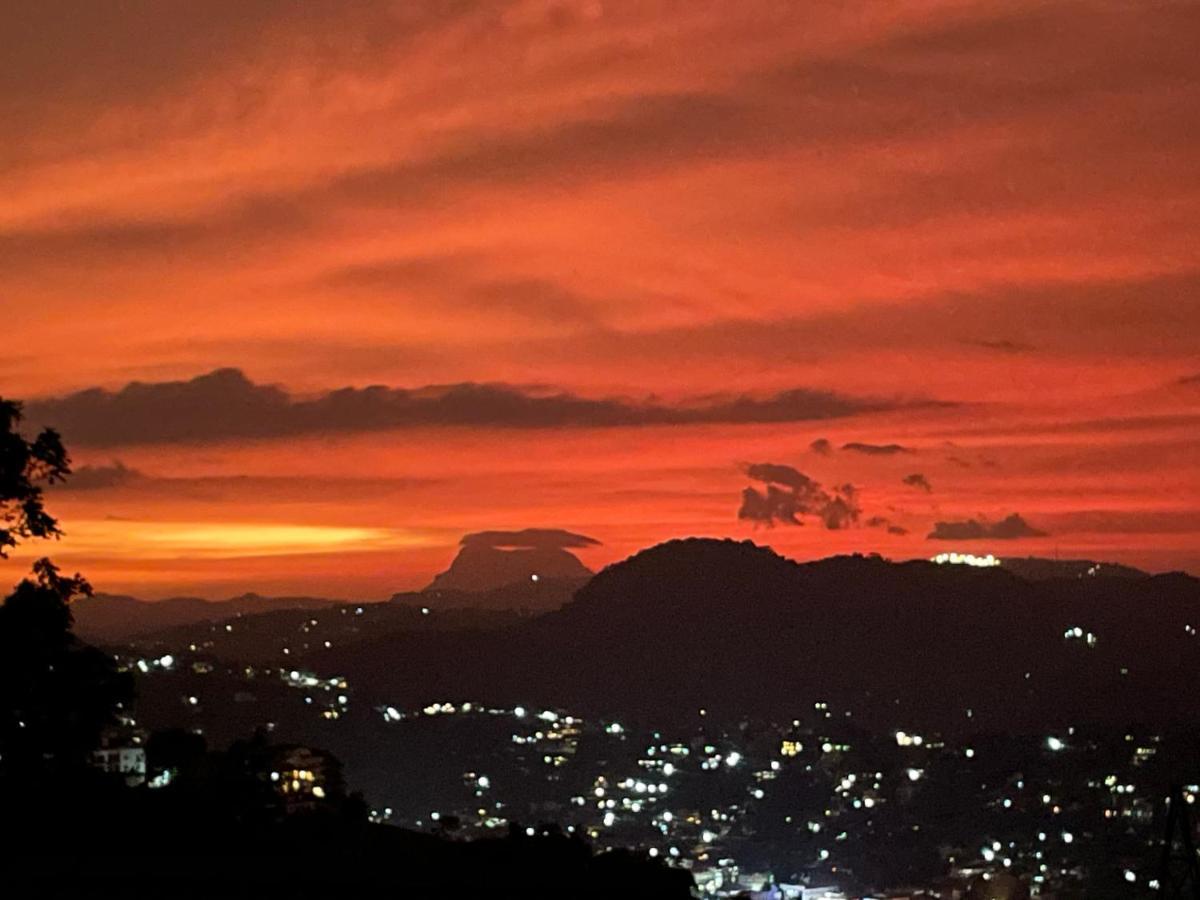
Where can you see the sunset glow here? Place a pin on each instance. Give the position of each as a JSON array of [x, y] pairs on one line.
[[223, 540], [605, 257]]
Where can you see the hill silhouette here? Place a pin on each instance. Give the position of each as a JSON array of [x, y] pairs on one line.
[[1033, 568], [737, 630], [110, 618]]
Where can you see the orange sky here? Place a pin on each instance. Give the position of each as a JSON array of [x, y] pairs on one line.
[[974, 225]]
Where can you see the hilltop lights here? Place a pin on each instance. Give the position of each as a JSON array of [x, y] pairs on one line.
[[1076, 634], [965, 559]]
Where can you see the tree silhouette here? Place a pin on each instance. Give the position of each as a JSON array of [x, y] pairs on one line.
[[24, 465], [56, 693]]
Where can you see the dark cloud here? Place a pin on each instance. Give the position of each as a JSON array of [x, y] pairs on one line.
[[774, 473], [885, 523], [841, 511], [918, 481], [875, 449], [529, 538], [821, 447], [790, 495], [90, 478], [771, 506], [1007, 529], [226, 404]]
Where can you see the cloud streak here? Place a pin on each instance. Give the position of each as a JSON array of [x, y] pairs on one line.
[[875, 449], [528, 539], [225, 404]]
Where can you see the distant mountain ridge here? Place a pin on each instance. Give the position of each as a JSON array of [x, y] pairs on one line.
[[737, 630], [116, 617], [1034, 568], [479, 567]]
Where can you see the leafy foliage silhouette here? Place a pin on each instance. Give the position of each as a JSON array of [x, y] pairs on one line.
[[56, 693], [24, 466]]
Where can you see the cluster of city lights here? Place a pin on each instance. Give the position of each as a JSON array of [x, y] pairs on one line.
[[965, 559]]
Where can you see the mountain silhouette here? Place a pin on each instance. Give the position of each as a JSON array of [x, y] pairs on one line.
[[109, 618], [481, 567], [737, 630]]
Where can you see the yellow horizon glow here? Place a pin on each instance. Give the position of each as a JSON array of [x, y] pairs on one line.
[[225, 540]]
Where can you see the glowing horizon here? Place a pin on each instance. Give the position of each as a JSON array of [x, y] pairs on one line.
[[359, 280]]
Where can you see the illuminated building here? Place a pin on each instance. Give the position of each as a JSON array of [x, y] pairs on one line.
[[127, 761], [304, 777]]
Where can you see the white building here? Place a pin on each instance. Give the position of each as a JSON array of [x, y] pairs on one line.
[[127, 761]]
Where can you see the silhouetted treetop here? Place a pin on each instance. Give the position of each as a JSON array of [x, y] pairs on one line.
[[57, 694], [24, 466]]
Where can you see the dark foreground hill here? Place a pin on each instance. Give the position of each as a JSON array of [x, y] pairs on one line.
[[204, 842], [736, 630]]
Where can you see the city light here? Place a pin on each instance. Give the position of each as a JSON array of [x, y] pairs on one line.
[[965, 559]]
